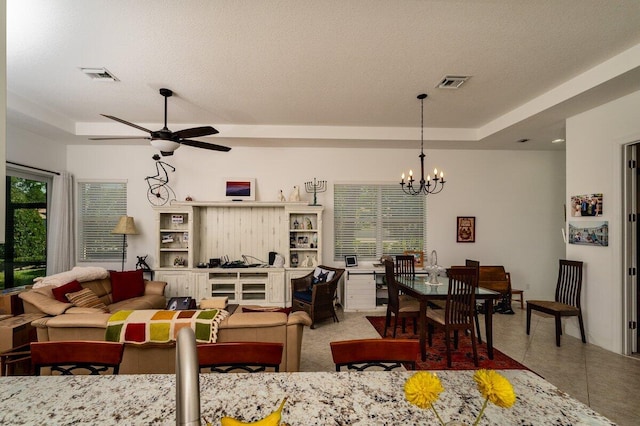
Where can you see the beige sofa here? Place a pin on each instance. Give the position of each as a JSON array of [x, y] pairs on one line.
[[41, 300], [67, 322], [154, 358]]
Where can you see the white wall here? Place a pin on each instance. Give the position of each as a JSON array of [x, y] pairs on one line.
[[33, 150], [517, 197], [594, 165]]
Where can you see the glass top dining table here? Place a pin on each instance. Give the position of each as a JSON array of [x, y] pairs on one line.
[[418, 286]]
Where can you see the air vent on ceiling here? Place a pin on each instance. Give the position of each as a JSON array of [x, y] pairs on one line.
[[99, 74], [452, 81]]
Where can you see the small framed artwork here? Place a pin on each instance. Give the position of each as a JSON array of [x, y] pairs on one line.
[[351, 260], [587, 205], [589, 233], [418, 257], [466, 229], [239, 189]]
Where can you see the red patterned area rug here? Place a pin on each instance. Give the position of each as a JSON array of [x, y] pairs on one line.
[[462, 358]]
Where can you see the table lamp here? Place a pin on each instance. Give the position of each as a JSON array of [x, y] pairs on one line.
[[125, 226]]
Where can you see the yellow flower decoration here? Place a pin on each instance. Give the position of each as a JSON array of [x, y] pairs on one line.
[[495, 387], [422, 389]]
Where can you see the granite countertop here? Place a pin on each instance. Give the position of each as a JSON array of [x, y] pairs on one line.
[[323, 398]]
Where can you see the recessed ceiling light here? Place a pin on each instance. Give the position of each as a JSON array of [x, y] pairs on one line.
[[99, 74], [559, 140]]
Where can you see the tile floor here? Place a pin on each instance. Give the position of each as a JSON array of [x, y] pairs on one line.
[[605, 381]]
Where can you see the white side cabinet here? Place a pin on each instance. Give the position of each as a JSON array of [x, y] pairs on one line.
[[360, 290]]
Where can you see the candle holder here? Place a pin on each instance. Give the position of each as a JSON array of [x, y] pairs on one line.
[[315, 187]]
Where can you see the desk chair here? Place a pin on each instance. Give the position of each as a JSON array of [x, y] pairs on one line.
[[459, 311], [401, 306], [567, 299], [77, 357], [246, 357], [368, 353]]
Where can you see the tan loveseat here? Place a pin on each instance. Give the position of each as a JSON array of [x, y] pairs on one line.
[[41, 300], [154, 358]]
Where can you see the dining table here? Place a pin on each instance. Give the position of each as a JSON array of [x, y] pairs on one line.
[[420, 287], [313, 398]]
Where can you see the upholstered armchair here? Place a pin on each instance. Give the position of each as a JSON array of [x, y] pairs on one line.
[[315, 292]]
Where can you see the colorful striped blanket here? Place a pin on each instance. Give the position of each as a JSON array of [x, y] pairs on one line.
[[161, 326]]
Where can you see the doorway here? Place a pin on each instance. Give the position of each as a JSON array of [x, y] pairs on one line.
[[24, 253], [631, 209]]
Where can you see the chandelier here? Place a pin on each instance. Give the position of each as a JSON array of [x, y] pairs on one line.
[[424, 186]]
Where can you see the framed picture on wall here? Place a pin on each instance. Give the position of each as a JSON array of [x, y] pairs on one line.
[[239, 189], [418, 256], [466, 229]]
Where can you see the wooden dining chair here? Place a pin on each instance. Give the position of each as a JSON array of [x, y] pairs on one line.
[[405, 265], [567, 298], [363, 354], [77, 357], [459, 312], [247, 357], [400, 306], [476, 266]]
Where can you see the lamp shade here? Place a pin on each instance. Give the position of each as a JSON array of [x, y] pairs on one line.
[[125, 226]]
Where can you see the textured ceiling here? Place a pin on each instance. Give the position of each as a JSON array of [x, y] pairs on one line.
[[338, 73]]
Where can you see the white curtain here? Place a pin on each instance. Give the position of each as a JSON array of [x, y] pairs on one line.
[[61, 238]]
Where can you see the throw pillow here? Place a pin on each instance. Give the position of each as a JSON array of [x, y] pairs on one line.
[[86, 298], [319, 271], [126, 285], [321, 278], [60, 292]]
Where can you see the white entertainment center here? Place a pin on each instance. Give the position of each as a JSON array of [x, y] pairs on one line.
[[190, 234]]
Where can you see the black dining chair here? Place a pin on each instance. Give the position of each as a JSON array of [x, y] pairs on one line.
[[459, 311], [400, 306], [567, 298]]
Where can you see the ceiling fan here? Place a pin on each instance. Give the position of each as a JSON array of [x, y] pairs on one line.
[[167, 141]]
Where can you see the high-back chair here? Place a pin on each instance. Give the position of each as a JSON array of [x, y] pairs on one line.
[[405, 265], [387, 354], [476, 266], [77, 357], [316, 299], [249, 357], [567, 299], [401, 306], [459, 311]]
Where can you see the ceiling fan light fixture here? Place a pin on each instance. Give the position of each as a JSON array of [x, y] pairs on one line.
[[164, 145]]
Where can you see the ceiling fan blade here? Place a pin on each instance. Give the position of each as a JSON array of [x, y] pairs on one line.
[[204, 145], [195, 132], [120, 120], [120, 138]]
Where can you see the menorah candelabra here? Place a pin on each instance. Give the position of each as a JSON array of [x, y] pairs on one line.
[[315, 187]]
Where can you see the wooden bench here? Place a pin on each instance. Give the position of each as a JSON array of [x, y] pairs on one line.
[[497, 279], [494, 278]]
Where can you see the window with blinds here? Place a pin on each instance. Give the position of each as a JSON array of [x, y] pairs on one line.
[[375, 219], [100, 205]]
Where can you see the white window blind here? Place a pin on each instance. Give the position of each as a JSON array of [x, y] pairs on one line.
[[371, 220], [100, 206]]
